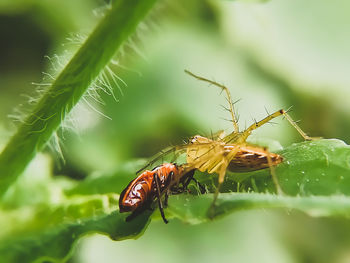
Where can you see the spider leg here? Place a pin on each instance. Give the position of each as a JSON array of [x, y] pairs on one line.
[[276, 114], [163, 153], [229, 100], [273, 173], [223, 160]]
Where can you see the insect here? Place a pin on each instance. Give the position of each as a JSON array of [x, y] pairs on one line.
[[150, 185], [232, 152]]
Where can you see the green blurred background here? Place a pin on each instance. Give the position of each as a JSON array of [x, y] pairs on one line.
[[272, 55]]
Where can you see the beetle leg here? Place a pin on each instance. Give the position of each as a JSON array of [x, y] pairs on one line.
[[201, 187], [160, 204], [166, 198]]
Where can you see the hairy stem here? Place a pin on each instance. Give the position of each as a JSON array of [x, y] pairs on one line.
[[69, 87]]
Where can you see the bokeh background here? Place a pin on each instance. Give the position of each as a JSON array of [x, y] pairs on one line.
[[271, 54]]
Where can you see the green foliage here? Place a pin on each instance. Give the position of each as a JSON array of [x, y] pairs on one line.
[[70, 85], [44, 225], [55, 243]]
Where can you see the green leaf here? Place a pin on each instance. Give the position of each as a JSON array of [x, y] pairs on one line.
[[194, 209], [55, 244], [69, 87], [48, 231], [44, 225], [314, 176]]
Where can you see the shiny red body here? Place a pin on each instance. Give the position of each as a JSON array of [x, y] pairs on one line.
[[143, 190]]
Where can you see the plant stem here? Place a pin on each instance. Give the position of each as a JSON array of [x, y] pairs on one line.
[[70, 85]]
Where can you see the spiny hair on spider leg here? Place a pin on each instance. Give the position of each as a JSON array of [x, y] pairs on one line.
[[289, 109], [273, 123], [225, 108]]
